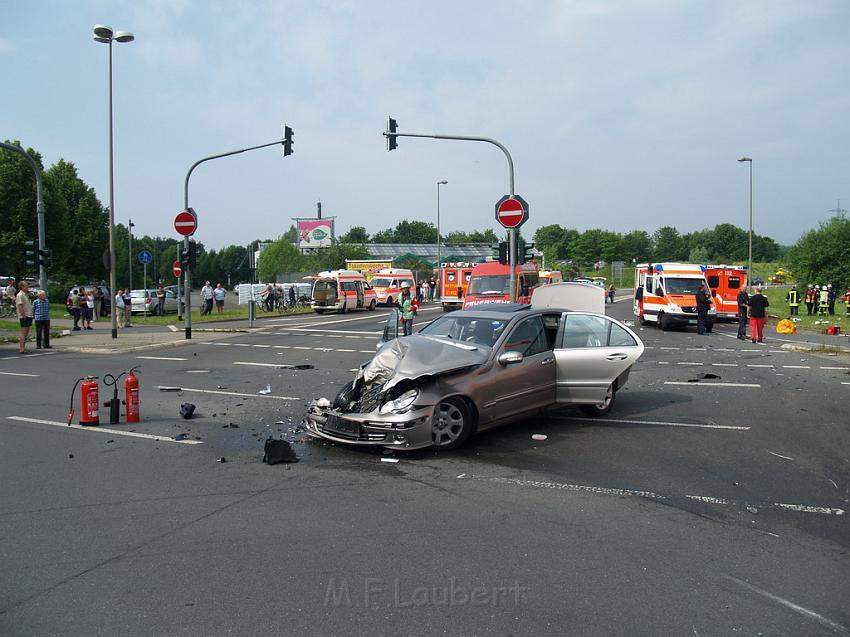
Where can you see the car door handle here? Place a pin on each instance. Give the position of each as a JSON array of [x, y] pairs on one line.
[[619, 356], [547, 361]]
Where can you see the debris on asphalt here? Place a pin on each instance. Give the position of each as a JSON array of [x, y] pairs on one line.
[[296, 367], [393, 460], [108, 441], [266, 391], [162, 388], [323, 403], [752, 510], [539, 436], [180, 437], [277, 451], [70, 455], [230, 425], [222, 459], [708, 376], [187, 410], [219, 387]]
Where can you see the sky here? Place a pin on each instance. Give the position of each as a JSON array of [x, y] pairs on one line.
[[618, 114]]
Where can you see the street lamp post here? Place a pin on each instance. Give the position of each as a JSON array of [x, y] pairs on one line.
[[442, 182], [106, 35], [750, 252], [130, 250]]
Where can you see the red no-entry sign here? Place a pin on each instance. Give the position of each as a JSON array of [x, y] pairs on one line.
[[186, 222], [511, 211], [176, 269]]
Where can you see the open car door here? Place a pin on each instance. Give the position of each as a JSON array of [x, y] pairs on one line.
[[592, 352], [579, 297], [391, 327]]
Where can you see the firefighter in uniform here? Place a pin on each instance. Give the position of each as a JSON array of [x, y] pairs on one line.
[[811, 297], [823, 301], [847, 301], [831, 294], [792, 298]]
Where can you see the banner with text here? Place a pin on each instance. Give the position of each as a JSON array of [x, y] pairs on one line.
[[315, 233]]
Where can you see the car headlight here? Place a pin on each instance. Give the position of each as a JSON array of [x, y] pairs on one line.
[[400, 404]]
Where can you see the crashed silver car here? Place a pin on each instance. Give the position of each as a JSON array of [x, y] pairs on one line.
[[475, 369]]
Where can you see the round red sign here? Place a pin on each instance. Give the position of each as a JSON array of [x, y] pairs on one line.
[[175, 267], [511, 211], [186, 222]]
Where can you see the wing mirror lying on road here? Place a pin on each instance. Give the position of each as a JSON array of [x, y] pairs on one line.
[[509, 358]]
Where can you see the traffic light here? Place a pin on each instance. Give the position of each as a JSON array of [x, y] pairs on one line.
[[527, 253], [500, 251], [45, 258], [193, 255], [392, 127], [287, 141], [184, 258], [29, 253]]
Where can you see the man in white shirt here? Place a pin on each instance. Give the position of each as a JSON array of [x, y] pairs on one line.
[[119, 308], [207, 297]]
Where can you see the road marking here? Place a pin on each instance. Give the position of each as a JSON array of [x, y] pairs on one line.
[[688, 363], [805, 612], [670, 348], [241, 344], [724, 364], [19, 374], [779, 455], [116, 432], [281, 347], [723, 349], [262, 345], [232, 393], [9, 358], [796, 367], [663, 362], [752, 365], [162, 358], [222, 344], [838, 369], [290, 330], [257, 364], [697, 349], [344, 350], [301, 347], [751, 350], [365, 351], [701, 384], [561, 486], [652, 422]]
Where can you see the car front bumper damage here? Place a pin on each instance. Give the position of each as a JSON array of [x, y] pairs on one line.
[[410, 430]]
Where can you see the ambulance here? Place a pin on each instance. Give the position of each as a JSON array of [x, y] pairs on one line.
[[490, 283], [665, 294], [387, 283], [550, 276], [725, 281], [341, 291], [454, 280]]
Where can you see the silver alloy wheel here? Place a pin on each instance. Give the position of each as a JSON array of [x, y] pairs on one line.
[[447, 424]]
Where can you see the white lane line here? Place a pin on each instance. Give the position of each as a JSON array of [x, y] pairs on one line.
[[663, 362], [802, 508], [19, 374], [162, 358], [708, 499], [301, 347], [115, 432], [753, 365], [241, 344], [281, 347], [702, 384], [723, 349], [751, 350], [296, 330], [671, 348], [779, 455], [262, 345], [724, 364], [230, 393], [652, 422], [688, 363], [805, 612], [697, 349], [257, 364], [366, 351], [843, 383], [9, 358], [222, 344], [344, 350], [796, 367], [838, 369]]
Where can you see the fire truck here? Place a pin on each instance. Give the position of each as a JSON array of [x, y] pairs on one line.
[[490, 283], [454, 280], [725, 281]]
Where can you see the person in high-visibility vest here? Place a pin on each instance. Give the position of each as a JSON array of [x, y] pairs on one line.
[[847, 301], [792, 298], [823, 301], [811, 299]]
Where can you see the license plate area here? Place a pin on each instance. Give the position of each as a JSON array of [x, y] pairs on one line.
[[335, 424]]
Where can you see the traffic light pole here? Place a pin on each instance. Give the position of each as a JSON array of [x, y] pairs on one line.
[[512, 233], [39, 212], [187, 299]]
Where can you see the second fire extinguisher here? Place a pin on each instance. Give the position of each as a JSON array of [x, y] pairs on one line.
[[88, 401], [131, 396]]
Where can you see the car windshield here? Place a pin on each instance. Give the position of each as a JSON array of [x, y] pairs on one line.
[[466, 329], [680, 285], [381, 282], [493, 284]]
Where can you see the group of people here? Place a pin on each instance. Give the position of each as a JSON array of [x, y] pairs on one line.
[[84, 306], [210, 294], [273, 296], [426, 290], [819, 299], [752, 308], [28, 312]]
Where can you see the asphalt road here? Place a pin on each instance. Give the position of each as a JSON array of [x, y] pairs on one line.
[[694, 508]]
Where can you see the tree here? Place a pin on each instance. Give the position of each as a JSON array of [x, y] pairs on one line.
[[822, 256], [279, 256], [408, 232], [668, 245], [292, 234], [636, 245], [355, 234], [334, 257], [476, 236], [699, 255]]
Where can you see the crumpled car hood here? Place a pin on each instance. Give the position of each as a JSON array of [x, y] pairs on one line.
[[412, 357]]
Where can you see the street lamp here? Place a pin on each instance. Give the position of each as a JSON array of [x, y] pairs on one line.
[[106, 35], [442, 182], [750, 253], [130, 249]]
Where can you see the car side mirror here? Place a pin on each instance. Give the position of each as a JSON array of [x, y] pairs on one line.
[[509, 358]]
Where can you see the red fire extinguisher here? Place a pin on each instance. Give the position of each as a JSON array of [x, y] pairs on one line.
[[88, 401], [131, 396]]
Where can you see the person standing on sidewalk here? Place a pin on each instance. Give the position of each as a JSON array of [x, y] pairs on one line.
[[74, 308], [743, 300], [41, 314], [160, 300], [128, 307], [119, 308], [757, 309], [219, 293], [98, 302], [23, 308], [89, 308], [207, 296]]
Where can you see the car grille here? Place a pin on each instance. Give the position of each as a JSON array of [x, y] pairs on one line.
[[333, 427], [689, 310]]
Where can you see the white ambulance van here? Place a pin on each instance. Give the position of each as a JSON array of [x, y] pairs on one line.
[[342, 291], [665, 294]]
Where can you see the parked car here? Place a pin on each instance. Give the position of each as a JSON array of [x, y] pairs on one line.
[[475, 369], [147, 301]]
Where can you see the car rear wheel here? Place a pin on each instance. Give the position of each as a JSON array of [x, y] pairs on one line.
[[451, 424], [600, 409]]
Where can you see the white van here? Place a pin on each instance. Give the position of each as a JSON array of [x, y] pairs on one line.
[[341, 291]]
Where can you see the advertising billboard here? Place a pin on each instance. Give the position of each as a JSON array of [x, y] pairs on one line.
[[315, 233]]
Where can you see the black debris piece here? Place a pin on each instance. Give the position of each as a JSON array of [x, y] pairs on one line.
[[300, 367], [181, 437], [277, 451], [110, 440], [215, 415], [70, 455], [708, 376], [187, 410], [222, 459], [170, 389], [194, 353]]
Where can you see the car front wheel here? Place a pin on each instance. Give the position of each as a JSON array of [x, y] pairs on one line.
[[451, 424], [600, 409]]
